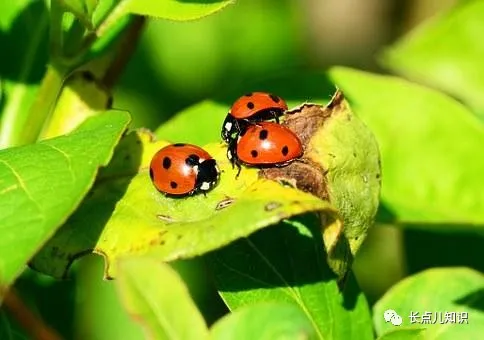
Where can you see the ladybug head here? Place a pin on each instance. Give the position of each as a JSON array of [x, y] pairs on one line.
[[231, 127], [208, 174]]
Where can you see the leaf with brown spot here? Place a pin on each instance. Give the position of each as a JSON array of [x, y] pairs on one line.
[[341, 164]]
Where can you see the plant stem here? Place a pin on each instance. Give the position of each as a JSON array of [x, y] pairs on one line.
[[125, 47], [39, 113], [44, 103], [29, 322]]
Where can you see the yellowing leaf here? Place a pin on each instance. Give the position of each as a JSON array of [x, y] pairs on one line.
[[124, 214]]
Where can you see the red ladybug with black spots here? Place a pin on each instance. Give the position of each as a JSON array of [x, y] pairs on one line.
[[265, 144], [183, 169], [250, 108]]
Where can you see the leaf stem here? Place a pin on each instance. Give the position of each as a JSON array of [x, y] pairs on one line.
[[44, 103], [55, 34], [125, 47], [29, 322], [28, 130]]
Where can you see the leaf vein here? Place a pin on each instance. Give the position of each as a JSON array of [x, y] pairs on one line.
[[68, 158], [24, 187]]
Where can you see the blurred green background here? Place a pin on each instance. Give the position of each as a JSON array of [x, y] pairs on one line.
[[246, 47]]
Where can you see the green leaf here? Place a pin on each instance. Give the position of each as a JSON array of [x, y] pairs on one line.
[[174, 9], [98, 304], [404, 334], [342, 145], [348, 157], [43, 183], [264, 321], [124, 214], [437, 291], [179, 10], [446, 52], [22, 67], [287, 263], [81, 97], [203, 132], [428, 144], [155, 296]]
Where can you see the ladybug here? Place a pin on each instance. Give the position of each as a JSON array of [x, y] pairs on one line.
[[183, 169], [252, 107], [265, 144]]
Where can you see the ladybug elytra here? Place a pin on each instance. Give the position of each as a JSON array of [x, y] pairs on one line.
[[265, 144], [252, 107]]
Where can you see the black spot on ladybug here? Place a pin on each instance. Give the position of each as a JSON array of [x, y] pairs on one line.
[[285, 150], [254, 153], [166, 162], [250, 105], [192, 160], [263, 134], [173, 185], [248, 94], [179, 145], [151, 174], [88, 76], [275, 99]]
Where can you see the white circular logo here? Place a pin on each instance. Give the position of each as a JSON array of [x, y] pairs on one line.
[[391, 316]]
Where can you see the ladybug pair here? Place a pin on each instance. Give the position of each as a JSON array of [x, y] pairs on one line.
[[253, 140]]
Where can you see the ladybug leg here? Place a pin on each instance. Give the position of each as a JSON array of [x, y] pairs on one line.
[[275, 116], [231, 150], [241, 125], [239, 169], [281, 165], [254, 122], [232, 156]]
